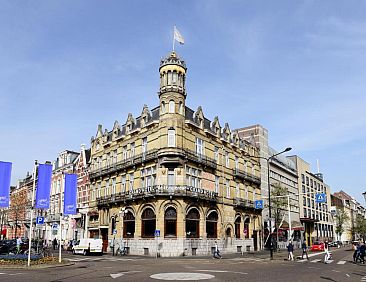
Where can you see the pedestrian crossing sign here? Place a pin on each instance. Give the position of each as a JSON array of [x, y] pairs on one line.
[[258, 204], [320, 198]]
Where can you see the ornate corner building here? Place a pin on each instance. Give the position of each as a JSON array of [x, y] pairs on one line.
[[171, 182]]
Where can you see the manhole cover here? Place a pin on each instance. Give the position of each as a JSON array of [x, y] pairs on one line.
[[182, 276]]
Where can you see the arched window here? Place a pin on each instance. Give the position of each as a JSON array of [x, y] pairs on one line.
[[169, 78], [148, 223], [162, 107], [113, 224], [171, 137], [129, 225], [171, 107], [246, 228], [175, 77], [237, 227], [211, 224], [181, 108], [193, 224], [170, 220]]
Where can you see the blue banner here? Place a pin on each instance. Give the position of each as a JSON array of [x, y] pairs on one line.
[[5, 175], [43, 186], [70, 194]]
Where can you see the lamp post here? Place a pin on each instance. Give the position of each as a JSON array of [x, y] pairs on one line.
[[269, 198], [122, 213]]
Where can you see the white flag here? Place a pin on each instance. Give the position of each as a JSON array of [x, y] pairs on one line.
[[178, 36]]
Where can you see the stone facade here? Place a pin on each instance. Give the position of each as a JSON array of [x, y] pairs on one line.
[[172, 170]]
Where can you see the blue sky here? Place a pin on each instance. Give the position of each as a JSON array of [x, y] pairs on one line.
[[295, 67]]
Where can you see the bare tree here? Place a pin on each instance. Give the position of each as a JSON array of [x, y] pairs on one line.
[[278, 204]]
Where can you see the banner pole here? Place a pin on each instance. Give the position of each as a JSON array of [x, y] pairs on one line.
[[32, 210], [61, 214]]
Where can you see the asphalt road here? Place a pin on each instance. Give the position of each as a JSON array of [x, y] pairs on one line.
[[230, 268]]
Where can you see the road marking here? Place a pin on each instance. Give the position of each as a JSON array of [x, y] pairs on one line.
[[182, 276], [222, 271], [341, 262], [347, 275], [315, 260], [116, 275], [329, 261]]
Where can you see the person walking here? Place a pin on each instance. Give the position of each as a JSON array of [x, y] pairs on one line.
[[19, 242], [216, 251], [326, 249], [362, 253], [290, 249], [54, 243], [304, 250]]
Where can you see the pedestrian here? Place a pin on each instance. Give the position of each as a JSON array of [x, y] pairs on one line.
[[354, 247], [326, 249], [216, 251], [19, 242], [362, 252], [290, 249], [304, 250], [54, 243]]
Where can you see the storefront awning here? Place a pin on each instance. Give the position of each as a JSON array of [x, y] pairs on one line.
[[295, 225]]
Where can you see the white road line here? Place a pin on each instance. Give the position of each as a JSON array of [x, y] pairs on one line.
[[341, 262], [315, 260]]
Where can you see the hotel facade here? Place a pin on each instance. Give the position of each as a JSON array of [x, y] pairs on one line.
[[171, 182]]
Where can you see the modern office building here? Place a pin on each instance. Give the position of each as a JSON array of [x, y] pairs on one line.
[[282, 173], [314, 216], [171, 182]]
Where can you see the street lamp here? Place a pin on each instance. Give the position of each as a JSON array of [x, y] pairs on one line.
[[122, 213], [269, 197]]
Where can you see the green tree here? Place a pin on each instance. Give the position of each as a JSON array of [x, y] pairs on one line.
[[360, 227], [340, 219], [278, 204]]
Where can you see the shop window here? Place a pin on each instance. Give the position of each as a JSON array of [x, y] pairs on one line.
[[211, 224], [128, 225], [148, 227], [193, 224], [170, 219], [237, 227], [246, 228]]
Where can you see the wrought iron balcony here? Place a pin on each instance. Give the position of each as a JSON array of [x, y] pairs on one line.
[[243, 203], [246, 176], [201, 159], [135, 160], [159, 190]]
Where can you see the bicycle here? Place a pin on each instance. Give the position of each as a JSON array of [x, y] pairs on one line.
[[121, 251]]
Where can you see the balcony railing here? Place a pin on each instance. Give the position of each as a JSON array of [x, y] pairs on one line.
[[135, 160], [159, 190], [200, 158], [243, 203], [246, 176]]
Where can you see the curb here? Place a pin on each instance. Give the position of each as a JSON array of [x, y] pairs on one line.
[[39, 266]]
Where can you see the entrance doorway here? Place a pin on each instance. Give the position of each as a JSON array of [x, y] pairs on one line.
[[104, 234]]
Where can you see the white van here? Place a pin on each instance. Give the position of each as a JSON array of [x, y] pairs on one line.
[[88, 246]]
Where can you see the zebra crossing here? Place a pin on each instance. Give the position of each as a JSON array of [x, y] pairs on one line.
[[321, 260], [87, 259]]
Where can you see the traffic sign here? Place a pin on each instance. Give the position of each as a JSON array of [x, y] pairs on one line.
[[320, 198], [258, 204], [114, 231], [54, 226], [157, 233], [40, 220]]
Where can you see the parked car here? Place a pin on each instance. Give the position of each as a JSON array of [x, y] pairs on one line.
[[333, 244], [317, 246], [88, 246]]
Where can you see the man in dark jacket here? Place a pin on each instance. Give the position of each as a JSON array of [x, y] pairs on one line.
[[290, 249], [304, 250]]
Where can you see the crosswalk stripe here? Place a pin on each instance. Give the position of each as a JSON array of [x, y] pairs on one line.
[[341, 262], [316, 260]]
